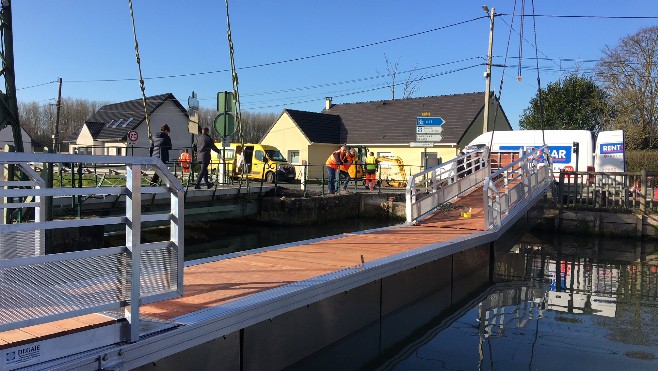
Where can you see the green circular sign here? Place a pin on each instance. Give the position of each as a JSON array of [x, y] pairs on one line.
[[225, 124]]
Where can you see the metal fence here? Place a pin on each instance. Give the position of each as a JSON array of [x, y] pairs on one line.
[[625, 191], [37, 288], [429, 189], [513, 185]]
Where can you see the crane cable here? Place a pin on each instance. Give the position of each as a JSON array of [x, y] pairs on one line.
[[139, 66], [236, 95], [541, 109]]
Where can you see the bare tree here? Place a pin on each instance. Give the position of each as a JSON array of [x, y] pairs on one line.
[[254, 124], [629, 74], [410, 85], [39, 120], [392, 72]]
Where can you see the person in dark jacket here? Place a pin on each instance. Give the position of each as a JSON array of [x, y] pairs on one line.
[[203, 144], [160, 146]]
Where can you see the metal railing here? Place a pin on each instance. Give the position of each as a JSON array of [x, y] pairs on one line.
[[429, 189], [516, 184], [36, 288], [623, 191]]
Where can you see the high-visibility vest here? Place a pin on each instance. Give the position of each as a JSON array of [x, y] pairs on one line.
[[371, 163], [185, 160], [333, 159], [347, 162]]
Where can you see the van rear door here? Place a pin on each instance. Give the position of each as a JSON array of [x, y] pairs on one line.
[[610, 155]]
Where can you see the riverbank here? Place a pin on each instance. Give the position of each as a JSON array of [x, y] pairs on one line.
[[290, 207]]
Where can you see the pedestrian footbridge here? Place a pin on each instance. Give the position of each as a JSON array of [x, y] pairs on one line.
[[140, 304]]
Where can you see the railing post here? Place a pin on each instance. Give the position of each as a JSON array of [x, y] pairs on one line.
[[485, 192], [177, 234], [133, 242], [304, 176], [410, 198], [643, 196]]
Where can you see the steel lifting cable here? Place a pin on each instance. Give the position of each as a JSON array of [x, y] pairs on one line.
[[541, 109], [236, 95], [519, 78], [502, 78], [139, 66]]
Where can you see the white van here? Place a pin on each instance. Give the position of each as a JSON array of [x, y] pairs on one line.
[[571, 150]]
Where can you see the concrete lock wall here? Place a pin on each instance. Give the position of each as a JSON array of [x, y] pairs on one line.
[[359, 324]]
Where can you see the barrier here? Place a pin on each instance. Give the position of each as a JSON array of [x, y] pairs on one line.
[[39, 288]]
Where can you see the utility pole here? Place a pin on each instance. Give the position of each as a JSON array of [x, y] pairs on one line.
[[487, 74], [59, 107], [8, 102]]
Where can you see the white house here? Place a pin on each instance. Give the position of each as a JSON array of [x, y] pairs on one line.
[[106, 131]]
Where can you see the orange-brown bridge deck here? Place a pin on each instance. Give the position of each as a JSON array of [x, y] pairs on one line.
[[210, 284]]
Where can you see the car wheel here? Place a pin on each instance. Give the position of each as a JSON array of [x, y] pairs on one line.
[[269, 177]]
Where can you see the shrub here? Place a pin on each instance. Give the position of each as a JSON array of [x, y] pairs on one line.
[[642, 160]]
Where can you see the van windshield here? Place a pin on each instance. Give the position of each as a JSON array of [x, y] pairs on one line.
[[275, 155]]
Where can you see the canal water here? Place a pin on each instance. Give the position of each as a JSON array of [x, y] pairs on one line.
[[555, 303]]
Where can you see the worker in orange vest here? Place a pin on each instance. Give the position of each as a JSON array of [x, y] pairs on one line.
[[334, 160], [185, 160], [350, 158]]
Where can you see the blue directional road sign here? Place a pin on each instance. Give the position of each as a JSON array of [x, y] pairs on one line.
[[429, 121]]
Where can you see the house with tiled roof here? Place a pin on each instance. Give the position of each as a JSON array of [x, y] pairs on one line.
[[387, 128], [106, 131], [306, 137]]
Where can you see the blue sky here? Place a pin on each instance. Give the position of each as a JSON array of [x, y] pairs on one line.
[[294, 53]]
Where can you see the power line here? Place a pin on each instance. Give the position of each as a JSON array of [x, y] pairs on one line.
[[296, 59], [586, 16], [361, 79], [374, 88], [37, 85]]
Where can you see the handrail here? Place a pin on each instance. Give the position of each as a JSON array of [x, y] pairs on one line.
[[429, 189], [514, 185], [41, 288]]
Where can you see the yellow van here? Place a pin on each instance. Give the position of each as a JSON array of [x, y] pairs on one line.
[[256, 161]]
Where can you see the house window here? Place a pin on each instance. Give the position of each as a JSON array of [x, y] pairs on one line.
[[293, 157], [127, 122]]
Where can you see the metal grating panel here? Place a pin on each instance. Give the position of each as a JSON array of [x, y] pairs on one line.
[[52, 288], [20, 244], [159, 273]]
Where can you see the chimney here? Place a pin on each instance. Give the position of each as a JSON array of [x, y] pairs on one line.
[[327, 102]]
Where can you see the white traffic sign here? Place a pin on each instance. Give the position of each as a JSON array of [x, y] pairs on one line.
[[429, 129], [133, 136], [429, 137], [421, 144]]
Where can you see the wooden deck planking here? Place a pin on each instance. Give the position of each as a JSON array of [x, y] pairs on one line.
[[210, 284], [214, 283]]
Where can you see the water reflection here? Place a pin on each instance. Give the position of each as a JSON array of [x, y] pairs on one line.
[[569, 304]]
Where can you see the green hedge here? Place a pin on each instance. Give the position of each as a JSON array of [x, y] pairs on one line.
[[639, 160]]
